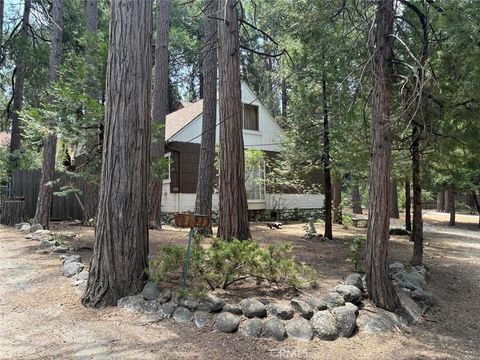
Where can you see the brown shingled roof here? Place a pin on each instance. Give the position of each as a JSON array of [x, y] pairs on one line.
[[177, 120], [4, 138]]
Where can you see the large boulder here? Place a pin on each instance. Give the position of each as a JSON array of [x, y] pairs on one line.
[[166, 310], [148, 306], [355, 280], [424, 297], [379, 322], [334, 299], [72, 268], [274, 329], [227, 322], [252, 327], [201, 318], [151, 291], [411, 281], [396, 267], [317, 304], [302, 308], [131, 303], [211, 303], [189, 302], [72, 258], [253, 308], [324, 325], [20, 225], [299, 329], [411, 308], [346, 320], [25, 227], [350, 293], [233, 308], [182, 315], [165, 295], [281, 311]]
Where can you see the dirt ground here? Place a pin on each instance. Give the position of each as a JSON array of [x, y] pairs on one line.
[[41, 317]]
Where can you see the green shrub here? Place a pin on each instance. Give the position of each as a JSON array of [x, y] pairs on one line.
[[347, 220], [355, 252], [224, 263]]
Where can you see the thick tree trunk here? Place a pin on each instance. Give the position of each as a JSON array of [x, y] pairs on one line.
[[441, 201], [233, 219], [16, 136], [380, 288], [451, 206], [393, 211], [206, 168], [160, 110], [356, 199], [417, 232], [408, 207], [120, 254], [45, 194], [326, 162], [477, 205], [337, 200]]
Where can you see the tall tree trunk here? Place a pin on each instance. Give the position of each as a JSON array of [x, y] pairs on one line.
[[206, 168], [451, 206], [441, 201], [417, 232], [120, 254], [380, 288], [233, 219], [408, 206], [327, 179], [160, 110], [45, 193], [394, 213], [477, 205], [356, 199], [16, 138], [1, 32], [92, 16], [337, 200]]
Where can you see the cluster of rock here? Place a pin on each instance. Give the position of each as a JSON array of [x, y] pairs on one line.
[[302, 319], [72, 266]]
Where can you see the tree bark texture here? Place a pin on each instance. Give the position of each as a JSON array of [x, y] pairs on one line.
[[206, 168], [394, 213], [451, 206], [380, 288], [356, 199], [2, 7], [408, 207], [327, 178], [417, 231], [447, 201], [120, 253], [159, 112], [233, 213], [441, 201], [45, 194], [16, 137], [337, 200]]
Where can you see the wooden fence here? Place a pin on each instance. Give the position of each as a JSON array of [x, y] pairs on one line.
[[26, 183]]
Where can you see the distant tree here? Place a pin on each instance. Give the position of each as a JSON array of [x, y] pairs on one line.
[[206, 168], [380, 288], [394, 213], [120, 253], [20, 67], [159, 113], [45, 194], [356, 199], [233, 213]]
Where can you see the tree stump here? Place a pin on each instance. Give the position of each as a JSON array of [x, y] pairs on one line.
[[13, 212]]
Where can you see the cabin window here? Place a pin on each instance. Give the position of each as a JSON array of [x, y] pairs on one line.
[[250, 117], [168, 168]]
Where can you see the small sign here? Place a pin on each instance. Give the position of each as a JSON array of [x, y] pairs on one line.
[[192, 221]]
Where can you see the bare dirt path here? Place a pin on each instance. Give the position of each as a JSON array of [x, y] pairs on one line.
[[41, 318]]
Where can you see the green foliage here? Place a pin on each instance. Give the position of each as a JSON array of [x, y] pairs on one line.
[[356, 251], [224, 263], [347, 220]]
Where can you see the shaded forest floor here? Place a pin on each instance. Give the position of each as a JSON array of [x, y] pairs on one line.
[[41, 317]]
